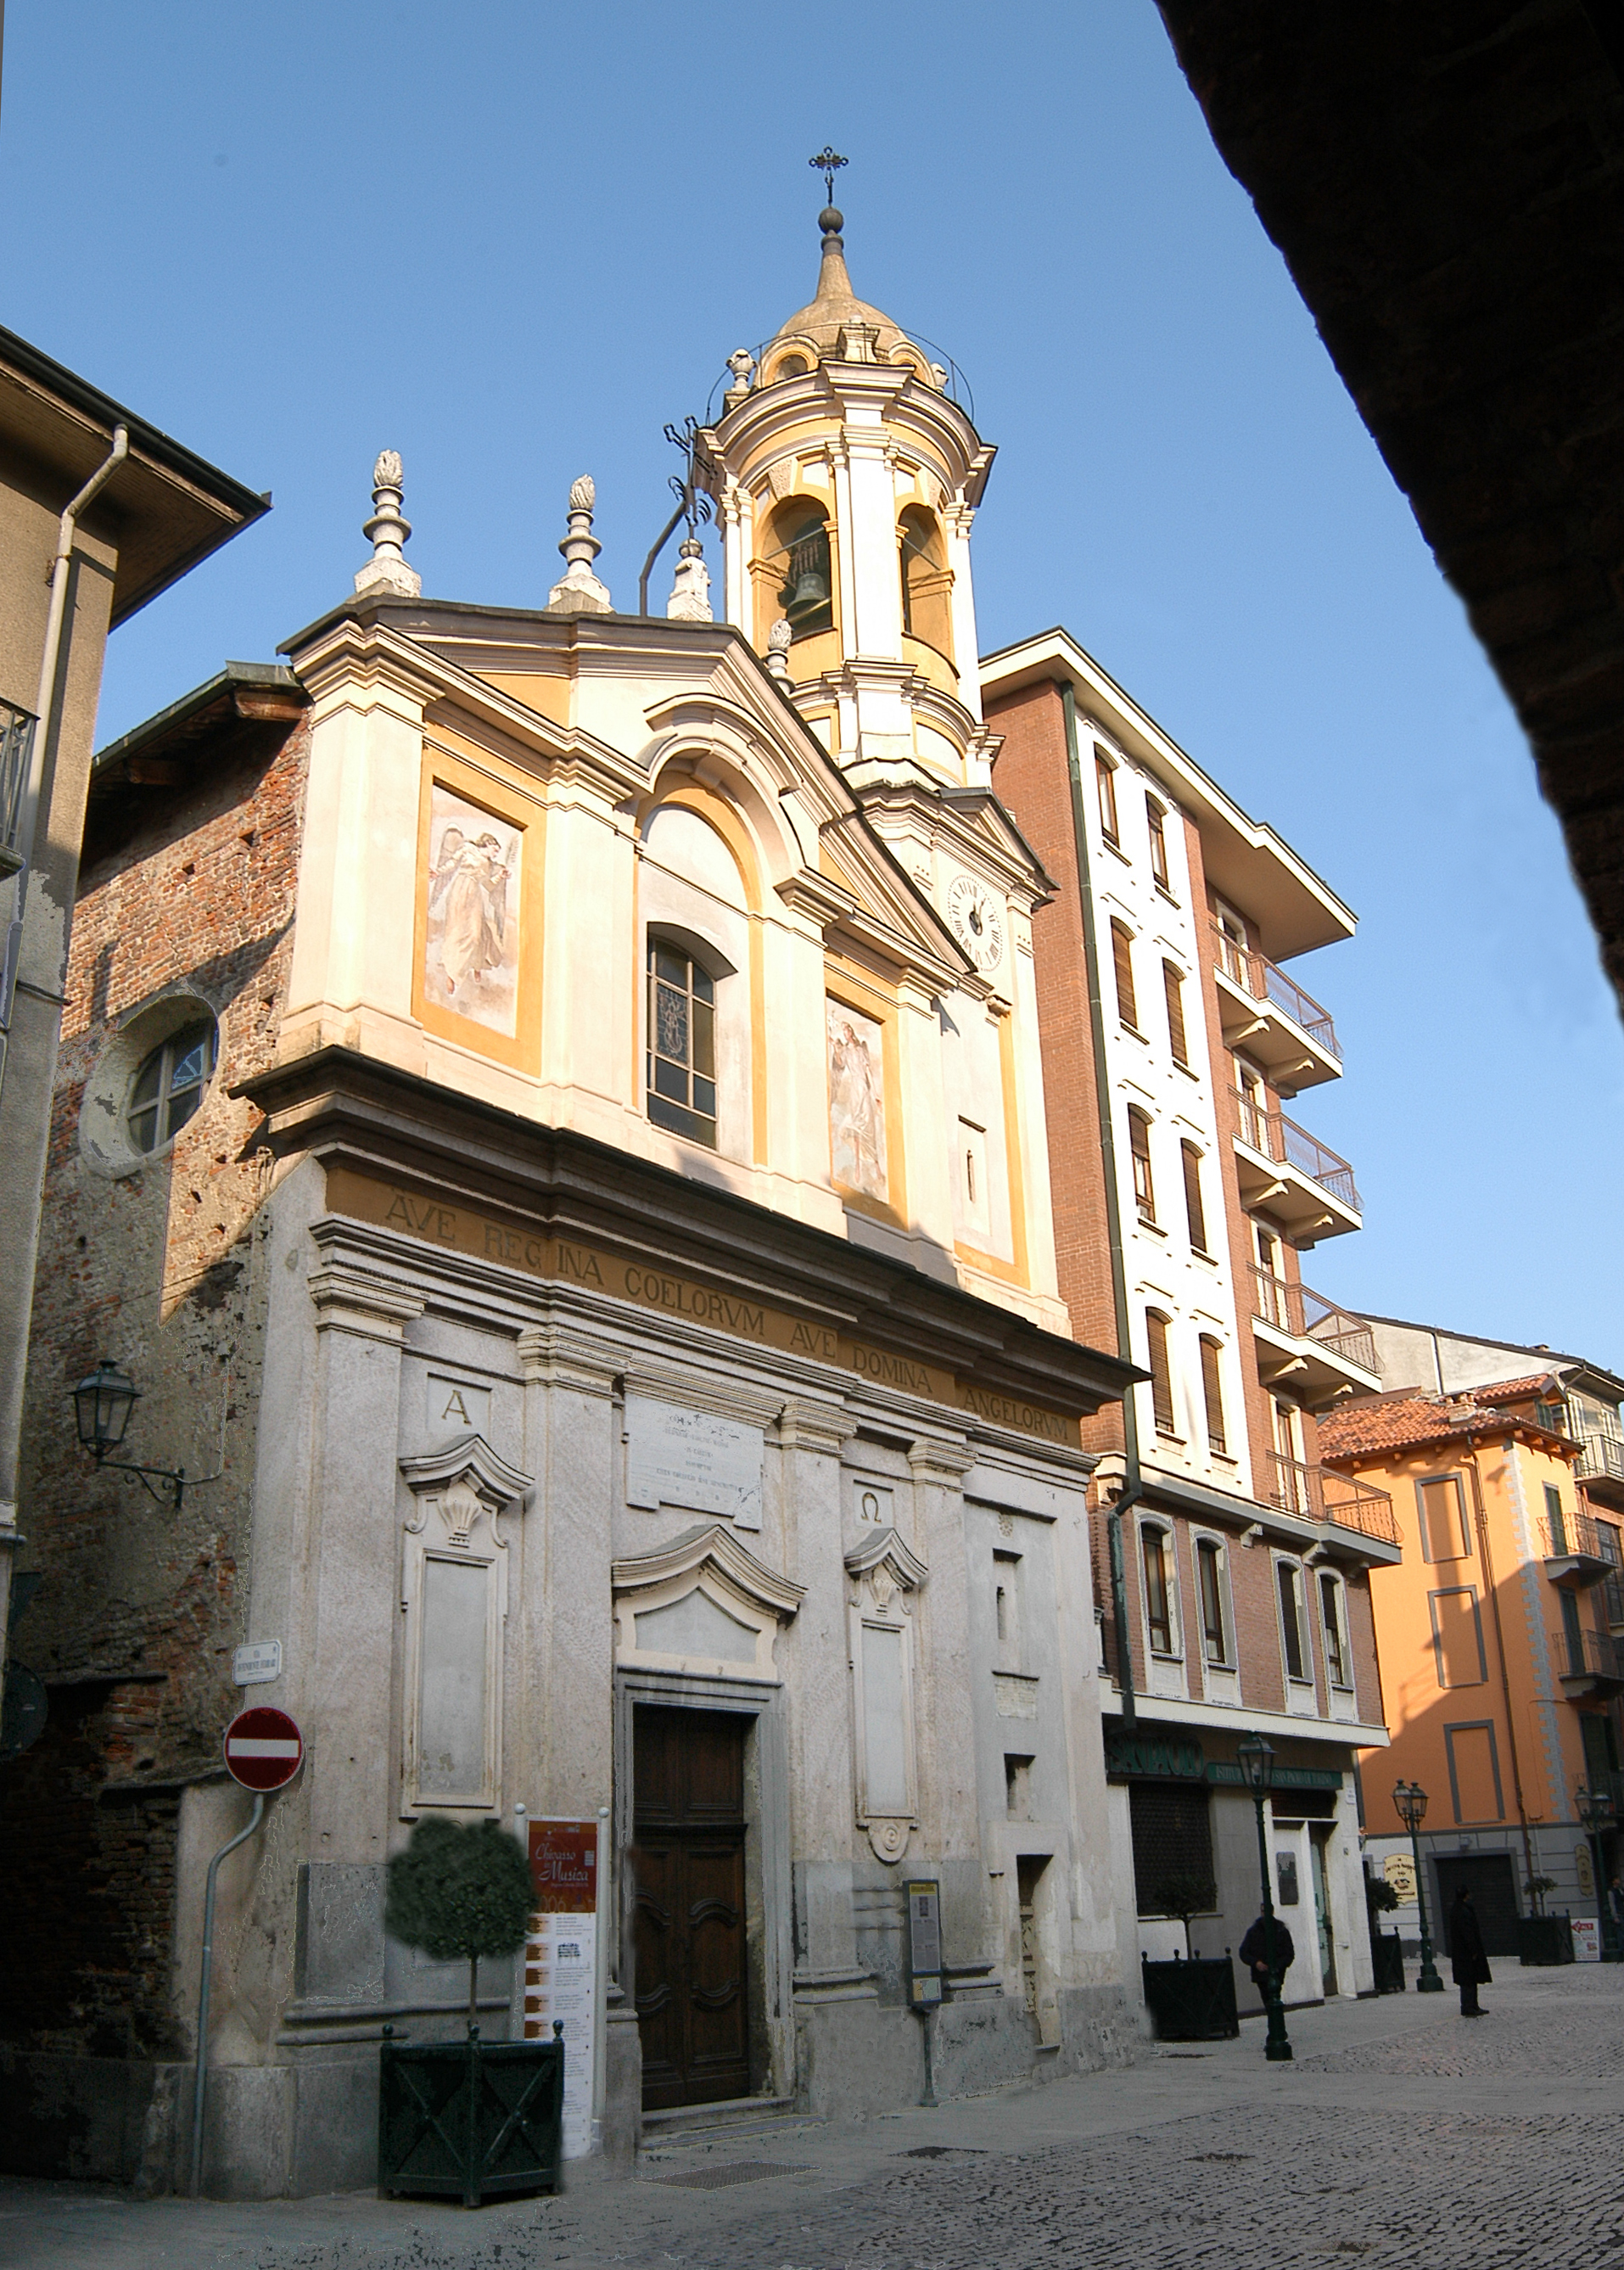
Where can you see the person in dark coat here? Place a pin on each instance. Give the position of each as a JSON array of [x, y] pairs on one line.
[[1267, 1941], [1466, 1956]]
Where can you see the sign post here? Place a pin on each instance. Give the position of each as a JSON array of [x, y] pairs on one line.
[[264, 1750], [560, 1962], [924, 1962]]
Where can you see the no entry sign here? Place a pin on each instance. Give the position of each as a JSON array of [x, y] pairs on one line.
[[264, 1749]]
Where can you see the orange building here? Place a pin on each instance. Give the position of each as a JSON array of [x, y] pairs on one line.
[[1500, 1669]]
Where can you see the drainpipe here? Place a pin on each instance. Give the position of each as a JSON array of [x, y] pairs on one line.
[[45, 704], [1492, 1590], [1133, 1487]]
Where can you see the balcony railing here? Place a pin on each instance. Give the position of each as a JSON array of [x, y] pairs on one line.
[[1565, 1536], [1317, 1494], [1281, 1140], [1309, 1315], [15, 742], [1603, 1459], [1588, 1655], [1255, 973]]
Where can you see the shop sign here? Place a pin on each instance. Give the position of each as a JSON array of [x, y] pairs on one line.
[[1230, 1777], [1144, 1758]]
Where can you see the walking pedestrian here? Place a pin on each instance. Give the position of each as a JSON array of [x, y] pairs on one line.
[[1467, 1959], [1267, 1946]]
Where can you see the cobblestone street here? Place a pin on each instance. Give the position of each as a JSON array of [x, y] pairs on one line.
[[1401, 2135]]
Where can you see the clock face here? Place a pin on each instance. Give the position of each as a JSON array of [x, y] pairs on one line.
[[978, 922]]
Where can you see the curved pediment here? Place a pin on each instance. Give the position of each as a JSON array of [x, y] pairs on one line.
[[469, 1461], [701, 1605]]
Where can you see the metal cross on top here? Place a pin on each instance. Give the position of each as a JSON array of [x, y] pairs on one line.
[[829, 163]]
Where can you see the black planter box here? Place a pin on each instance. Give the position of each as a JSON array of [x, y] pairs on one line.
[[1544, 1940], [468, 2120], [1191, 2001], [1387, 1955]]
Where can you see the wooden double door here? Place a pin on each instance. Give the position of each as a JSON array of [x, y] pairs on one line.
[[688, 1858]]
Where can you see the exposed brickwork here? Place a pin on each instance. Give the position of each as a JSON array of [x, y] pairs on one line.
[[192, 885]]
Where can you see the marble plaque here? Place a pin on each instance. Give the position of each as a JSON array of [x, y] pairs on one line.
[[455, 1407], [695, 1460]]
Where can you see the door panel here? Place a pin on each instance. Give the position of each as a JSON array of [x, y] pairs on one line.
[[688, 1856]]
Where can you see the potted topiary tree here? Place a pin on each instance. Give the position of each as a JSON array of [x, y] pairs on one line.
[[1191, 1999], [1386, 1946], [466, 2116], [1542, 1939]]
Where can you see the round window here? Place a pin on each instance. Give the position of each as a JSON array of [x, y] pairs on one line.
[[169, 1085]]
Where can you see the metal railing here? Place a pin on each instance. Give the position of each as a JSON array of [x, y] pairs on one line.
[[1566, 1535], [1317, 1494], [1309, 1315], [1587, 1654], [1281, 1140], [15, 743], [1255, 973], [1603, 1459]]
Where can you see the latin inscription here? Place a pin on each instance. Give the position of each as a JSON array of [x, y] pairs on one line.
[[653, 1287]]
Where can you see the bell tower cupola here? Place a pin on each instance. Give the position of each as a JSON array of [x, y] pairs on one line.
[[846, 472]]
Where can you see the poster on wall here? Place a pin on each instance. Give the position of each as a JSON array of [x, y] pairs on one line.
[[471, 952], [560, 1962]]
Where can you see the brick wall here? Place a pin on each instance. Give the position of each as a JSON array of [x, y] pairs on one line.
[[188, 882]]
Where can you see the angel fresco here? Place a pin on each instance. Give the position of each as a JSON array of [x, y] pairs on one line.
[[472, 953], [857, 1100]]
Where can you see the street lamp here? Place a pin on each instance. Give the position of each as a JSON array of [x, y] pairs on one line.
[[1594, 1808], [1410, 1804], [102, 1403], [1256, 1759]]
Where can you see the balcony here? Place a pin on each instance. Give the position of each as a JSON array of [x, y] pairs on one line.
[[1588, 1664], [1306, 1344], [1317, 1494], [1572, 1546], [1306, 1187], [1270, 1017], [1601, 1470]]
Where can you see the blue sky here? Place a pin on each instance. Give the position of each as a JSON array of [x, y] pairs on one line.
[[512, 241]]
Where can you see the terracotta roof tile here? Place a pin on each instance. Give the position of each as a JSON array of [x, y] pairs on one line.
[[1397, 1422]]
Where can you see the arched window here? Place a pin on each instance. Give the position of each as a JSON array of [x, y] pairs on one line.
[[1155, 1557], [1138, 1148], [1333, 1619], [1212, 1394], [1122, 965], [1210, 1574], [927, 582], [1161, 1373], [682, 1045], [169, 1085], [806, 592]]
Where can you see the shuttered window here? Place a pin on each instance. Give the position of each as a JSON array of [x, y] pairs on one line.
[[1122, 961], [1210, 1571], [1172, 986], [1213, 1395], [1290, 1582], [1160, 1372], [1105, 780], [1158, 1600], [1138, 1145], [1155, 819], [1195, 1213]]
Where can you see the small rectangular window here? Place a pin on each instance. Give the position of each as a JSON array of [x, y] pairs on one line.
[[1336, 1637], [1105, 780], [1444, 1518], [1211, 1574], [1122, 962], [1156, 821], [1138, 1147], [1158, 1601], [682, 1049], [1212, 1394], [1291, 1618], [1161, 1375], [1195, 1213], [1173, 986]]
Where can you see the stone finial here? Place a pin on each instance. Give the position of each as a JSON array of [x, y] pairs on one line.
[[743, 365], [578, 591], [386, 574], [690, 598], [777, 656]]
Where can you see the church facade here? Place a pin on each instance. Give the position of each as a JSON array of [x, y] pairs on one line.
[[551, 1119]]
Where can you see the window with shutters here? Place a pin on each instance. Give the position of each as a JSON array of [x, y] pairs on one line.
[[1138, 1150], [1556, 1518], [1122, 962], [1294, 1636], [1160, 1372], [1210, 1579], [1195, 1213], [1333, 1623], [1171, 1832], [1442, 1506], [1173, 986], [1105, 784], [1212, 1394], [1458, 1651], [1156, 821], [1155, 1554]]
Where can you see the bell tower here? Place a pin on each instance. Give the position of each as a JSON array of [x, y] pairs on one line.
[[846, 472]]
